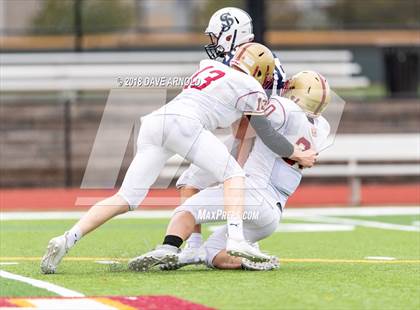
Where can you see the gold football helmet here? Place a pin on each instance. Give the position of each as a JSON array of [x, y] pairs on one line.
[[310, 90], [256, 60]]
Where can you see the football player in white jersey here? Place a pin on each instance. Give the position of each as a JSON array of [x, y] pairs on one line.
[[228, 29], [300, 120], [216, 97], [270, 179]]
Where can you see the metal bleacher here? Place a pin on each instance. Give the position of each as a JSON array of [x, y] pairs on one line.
[[100, 70], [357, 156]]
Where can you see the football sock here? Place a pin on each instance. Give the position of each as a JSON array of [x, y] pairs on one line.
[[173, 240], [73, 235], [195, 240], [235, 228]]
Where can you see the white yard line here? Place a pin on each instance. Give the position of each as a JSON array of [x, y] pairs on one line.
[[73, 215], [107, 262], [352, 211], [380, 258], [289, 213], [41, 284], [9, 263], [304, 227], [364, 223]]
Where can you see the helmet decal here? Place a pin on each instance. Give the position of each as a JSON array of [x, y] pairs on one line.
[[227, 21], [324, 93]]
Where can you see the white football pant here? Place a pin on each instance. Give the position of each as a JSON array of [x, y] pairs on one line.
[[161, 137], [261, 216]]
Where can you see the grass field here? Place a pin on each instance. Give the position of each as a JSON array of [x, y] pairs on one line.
[[320, 270]]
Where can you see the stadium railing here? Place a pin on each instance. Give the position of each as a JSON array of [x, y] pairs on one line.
[[354, 157]]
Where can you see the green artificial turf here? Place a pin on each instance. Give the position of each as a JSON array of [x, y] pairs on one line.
[[340, 279]]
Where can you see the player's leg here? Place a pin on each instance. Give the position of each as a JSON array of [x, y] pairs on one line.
[[183, 223], [261, 220], [100, 213], [224, 261], [143, 171], [187, 192], [203, 205], [211, 154], [218, 257], [141, 174], [97, 215], [202, 148], [207, 206], [189, 139], [195, 240], [192, 253], [240, 150]]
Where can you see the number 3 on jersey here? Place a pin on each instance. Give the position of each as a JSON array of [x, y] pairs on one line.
[[203, 78], [304, 146]]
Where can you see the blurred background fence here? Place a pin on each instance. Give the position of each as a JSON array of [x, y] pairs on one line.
[[59, 58]]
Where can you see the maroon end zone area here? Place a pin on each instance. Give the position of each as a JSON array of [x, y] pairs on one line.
[[118, 302], [57, 199], [160, 302]]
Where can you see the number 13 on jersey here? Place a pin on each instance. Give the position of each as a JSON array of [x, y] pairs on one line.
[[203, 78]]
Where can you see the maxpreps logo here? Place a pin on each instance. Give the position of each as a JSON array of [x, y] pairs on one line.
[[221, 215], [227, 21]]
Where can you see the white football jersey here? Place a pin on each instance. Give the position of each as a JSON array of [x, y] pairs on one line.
[[278, 175], [217, 95]]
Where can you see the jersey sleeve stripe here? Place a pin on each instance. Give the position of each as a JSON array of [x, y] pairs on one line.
[[250, 93], [283, 110], [253, 113]]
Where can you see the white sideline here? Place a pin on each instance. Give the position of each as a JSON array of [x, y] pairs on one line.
[[314, 227], [41, 284], [370, 224], [352, 211], [295, 228], [288, 213], [74, 215]]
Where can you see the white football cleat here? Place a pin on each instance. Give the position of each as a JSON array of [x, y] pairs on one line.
[[271, 265], [56, 249], [163, 254], [242, 248], [188, 256]]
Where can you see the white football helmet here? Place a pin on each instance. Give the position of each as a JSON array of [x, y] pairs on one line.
[[228, 28]]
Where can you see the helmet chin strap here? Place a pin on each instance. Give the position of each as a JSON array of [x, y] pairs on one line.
[[232, 46]]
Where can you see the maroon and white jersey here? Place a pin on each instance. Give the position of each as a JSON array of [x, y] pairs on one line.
[[276, 177], [281, 175], [217, 95]]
